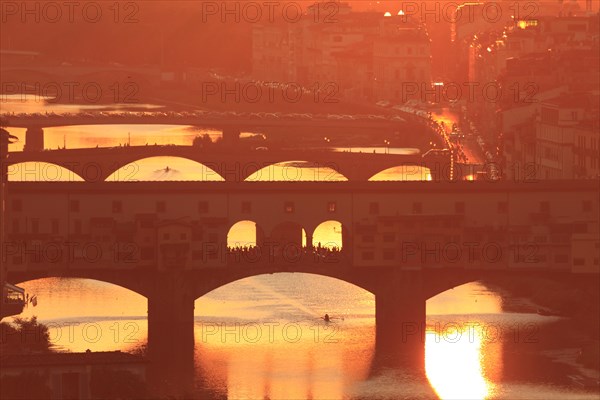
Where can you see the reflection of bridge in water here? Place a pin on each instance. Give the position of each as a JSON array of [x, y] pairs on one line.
[[402, 242], [98, 164]]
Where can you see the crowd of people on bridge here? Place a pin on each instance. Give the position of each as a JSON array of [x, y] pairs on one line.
[[287, 253]]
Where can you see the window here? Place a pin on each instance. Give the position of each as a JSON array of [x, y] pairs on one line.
[[117, 207], [246, 207], [161, 206], [55, 226], [573, 115], [502, 207], [373, 208], [579, 261], [288, 207], [331, 206], [17, 205], [417, 208], [166, 236], [459, 207], [368, 255], [74, 206], [183, 236], [203, 207]]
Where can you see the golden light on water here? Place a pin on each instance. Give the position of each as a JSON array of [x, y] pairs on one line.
[[454, 363], [265, 359], [296, 171], [35, 171], [164, 169], [404, 173]]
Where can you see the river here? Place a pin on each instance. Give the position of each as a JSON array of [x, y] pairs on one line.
[[263, 337]]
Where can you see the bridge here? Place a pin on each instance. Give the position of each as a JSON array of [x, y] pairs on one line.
[[232, 124], [220, 163], [403, 242]]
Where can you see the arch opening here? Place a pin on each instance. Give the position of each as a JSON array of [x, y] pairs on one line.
[[84, 313], [296, 171], [267, 323], [164, 168], [329, 235], [244, 234], [403, 173], [38, 171]]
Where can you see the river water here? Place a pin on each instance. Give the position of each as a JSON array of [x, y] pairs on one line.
[[262, 337]]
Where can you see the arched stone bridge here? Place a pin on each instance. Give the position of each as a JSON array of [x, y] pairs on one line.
[[97, 164], [402, 242]]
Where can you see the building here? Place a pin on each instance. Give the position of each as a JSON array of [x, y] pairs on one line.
[[567, 137], [557, 138], [419, 229], [367, 55]]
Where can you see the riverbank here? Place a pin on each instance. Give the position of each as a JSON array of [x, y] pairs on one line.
[[574, 339]]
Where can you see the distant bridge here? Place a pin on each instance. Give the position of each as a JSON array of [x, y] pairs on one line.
[[97, 164], [285, 126]]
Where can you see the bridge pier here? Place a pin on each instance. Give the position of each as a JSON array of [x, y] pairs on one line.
[[171, 336], [400, 322], [34, 139]]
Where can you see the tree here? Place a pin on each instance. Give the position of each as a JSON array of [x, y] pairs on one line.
[[24, 336]]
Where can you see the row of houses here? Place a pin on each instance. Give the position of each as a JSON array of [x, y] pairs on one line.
[[549, 229], [368, 54]]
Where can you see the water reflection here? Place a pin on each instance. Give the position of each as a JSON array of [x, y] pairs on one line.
[[454, 361], [404, 173], [262, 337], [88, 136], [164, 169], [296, 171], [34, 171]]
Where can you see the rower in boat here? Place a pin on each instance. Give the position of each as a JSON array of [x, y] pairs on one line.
[[326, 318]]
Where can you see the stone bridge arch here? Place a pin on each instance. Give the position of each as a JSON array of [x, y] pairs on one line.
[[124, 279], [43, 171], [130, 171], [281, 168]]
